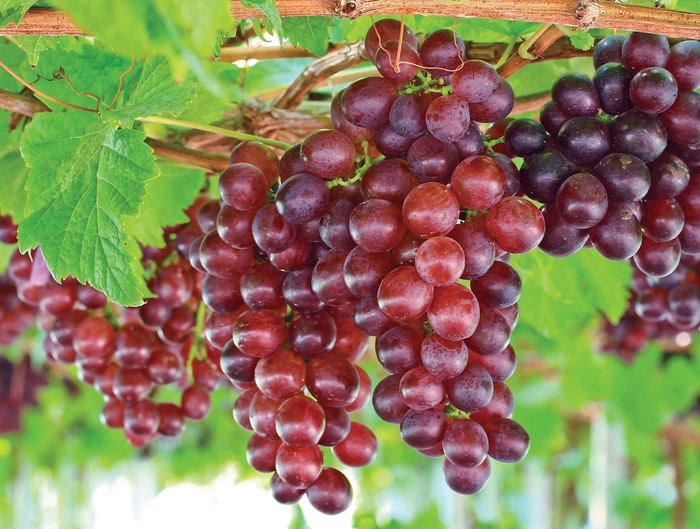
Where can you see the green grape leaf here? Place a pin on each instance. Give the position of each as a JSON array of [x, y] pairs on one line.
[[604, 283], [269, 9], [582, 40], [185, 31], [13, 178], [166, 198], [13, 57], [85, 176], [309, 33], [35, 46], [154, 92], [12, 11]]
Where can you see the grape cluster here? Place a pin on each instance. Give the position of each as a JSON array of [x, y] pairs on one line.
[[606, 158], [127, 354]]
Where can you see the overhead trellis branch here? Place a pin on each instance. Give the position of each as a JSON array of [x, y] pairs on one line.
[[575, 13]]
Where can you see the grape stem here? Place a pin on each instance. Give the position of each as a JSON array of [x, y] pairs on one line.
[[197, 351], [366, 164], [455, 413], [216, 130]]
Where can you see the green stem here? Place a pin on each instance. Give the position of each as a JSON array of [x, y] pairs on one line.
[[195, 350], [215, 130], [524, 48], [507, 52]]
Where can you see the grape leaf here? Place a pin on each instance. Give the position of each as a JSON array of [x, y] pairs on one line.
[[85, 176], [185, 31], [153, 91], [582, 40], [269, 9], [166, 198], [35, 46], [13, 177], [309, 33], [12, 11], [13, 57]]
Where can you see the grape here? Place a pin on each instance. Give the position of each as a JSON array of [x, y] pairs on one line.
[[390, 180], [430, 210], [515, 224], [638, 134], [384, 30], [178, 328], [403, 296], [142, 418], [387, 400], [652, 305], [174, 285], [164, 366], [292, 163], [133, 345], [206, 215], [423, 429], [658, 259], [332, 380], [471, 390], [359, 448], [263, 411], [350, 342], [235, 228], [297, 291], [447, 118], [440, 261], [575, 95], [243, 186], [476, 81], [525, 137], [300, 422], [390, 143], [295, 256], [492, 334], [222, 260], [454, 312], [625, 178], [327, 279], [365, 392], [131, 385], [478, 183], [337, 426], [280, 375], [112, 414], [367, 102], [334, 224], [237, 366], [299, 467], [643, 50], [465, 443], [682, 119], [261, 453], [421, 389], [500, 406], [261, 286], [669, 176], [94, 337], [612, 81], [328, 153], [363, 271], [662, 220], [104, 381], [442, 52], [407, 115], [376, 225], [499, 287], [552, 118], [684, 300], [471, 144], [496, 107], [560, 239], [218, 328], [500, 366], [542, 174], [312, 335], [399, 349], [432, 160], [466, 480], [302, 198], [653, 90], [477, 244], [356, 134], [258, 332], [584, 140], [508, 441], [684, 64], [370, 319], [582, 200], [259, 155], [609, 49], [618, 236], [443, 358], [283, 492], [397, 61], [205, 374], [64, 326], [331, 492], [404, 253]]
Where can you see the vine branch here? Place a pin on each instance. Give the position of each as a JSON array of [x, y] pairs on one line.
[[582, 14], [543, 41]]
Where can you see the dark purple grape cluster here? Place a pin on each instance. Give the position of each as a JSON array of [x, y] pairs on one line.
[[664, 309], [607, 158]]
